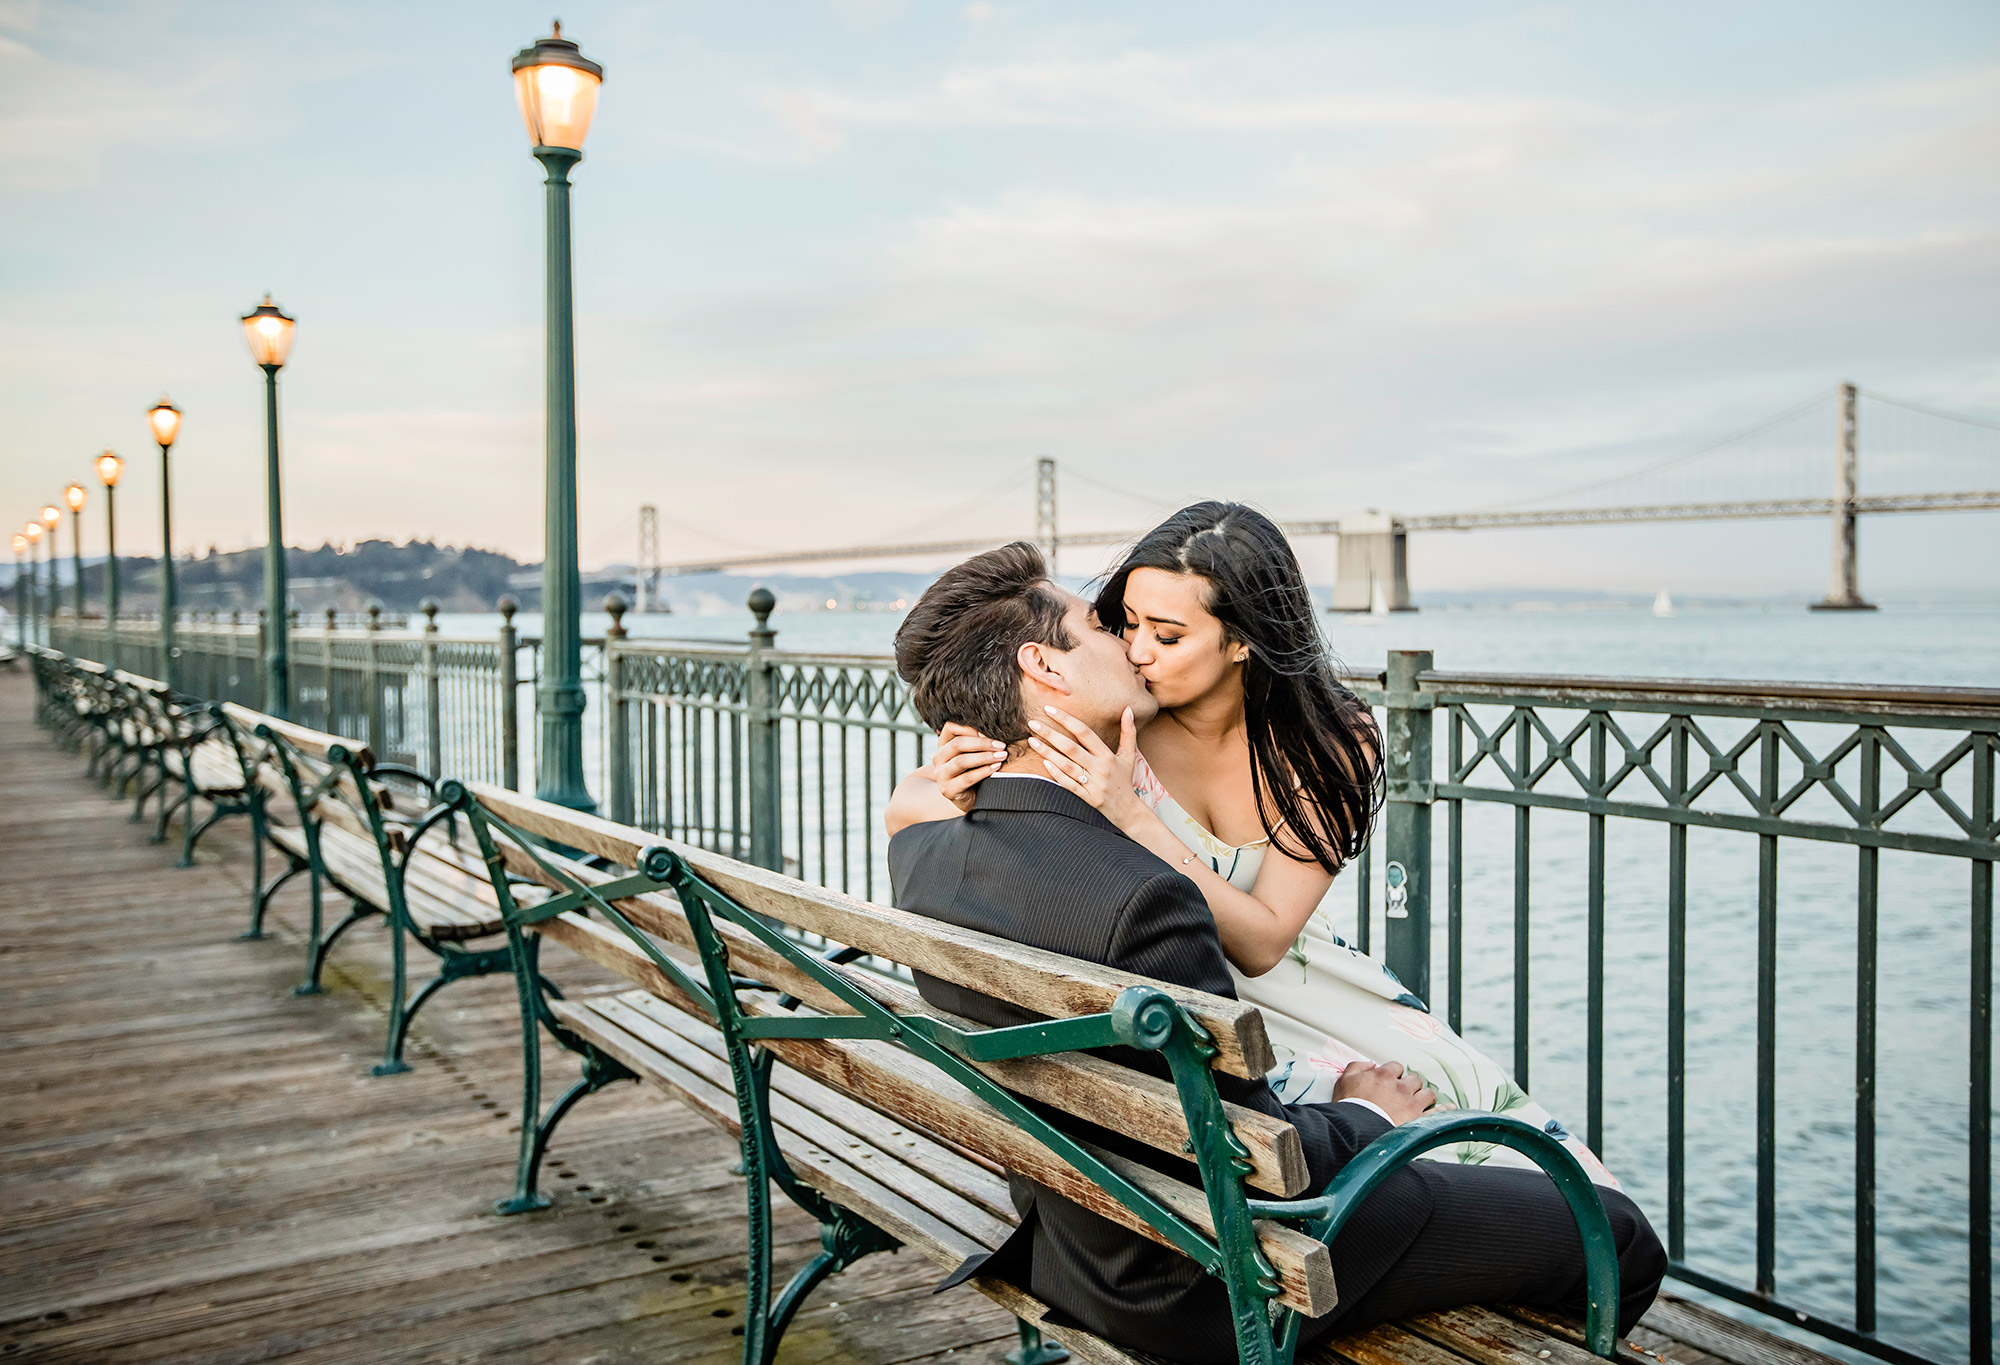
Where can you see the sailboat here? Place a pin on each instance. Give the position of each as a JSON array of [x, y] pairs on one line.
[[1378, 606], [1663, 605]]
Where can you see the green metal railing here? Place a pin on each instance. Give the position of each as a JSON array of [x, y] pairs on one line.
[[443, 704], [1879, 770], [1583, 818], [786, 760]]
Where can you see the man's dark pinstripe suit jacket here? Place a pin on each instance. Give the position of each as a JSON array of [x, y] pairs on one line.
[[1035, 864]]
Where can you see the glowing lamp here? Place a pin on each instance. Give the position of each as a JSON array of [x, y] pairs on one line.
[[109, 467], [166, 418], [557, 89], [269, 332]]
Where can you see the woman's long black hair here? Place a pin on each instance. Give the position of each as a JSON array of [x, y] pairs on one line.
[[1315, 751]]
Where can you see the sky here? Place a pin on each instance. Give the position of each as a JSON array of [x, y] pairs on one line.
[[845, 270]]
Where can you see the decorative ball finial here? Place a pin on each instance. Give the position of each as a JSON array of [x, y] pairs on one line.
[[762, 604], [615, 606], [508, 606], [429, 607]]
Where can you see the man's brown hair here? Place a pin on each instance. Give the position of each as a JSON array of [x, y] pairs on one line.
[[956, 648]]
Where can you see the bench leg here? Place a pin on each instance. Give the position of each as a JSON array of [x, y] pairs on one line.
[[598, 1072], [399, 1025], [392, 1062], [137, 782], [310, 985], [163, 806], [454, 965], [842, 1242], [191, 832], [1035, 1349], [259, 891], [317, 951]]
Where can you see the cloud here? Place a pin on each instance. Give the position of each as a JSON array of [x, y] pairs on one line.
[[62, 119], [1144, 89]]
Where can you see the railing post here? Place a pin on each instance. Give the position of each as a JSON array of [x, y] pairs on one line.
[[510, 698], [264, 700], [618, 740], [433, 722], [766, 792], [374, 677], [326, 685], [1406, 878]]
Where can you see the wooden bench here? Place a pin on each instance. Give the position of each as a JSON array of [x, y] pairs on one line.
[[139, 735], [331, 811], [891, 1122]]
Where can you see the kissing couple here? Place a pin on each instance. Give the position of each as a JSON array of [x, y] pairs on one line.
[[1166, 781]]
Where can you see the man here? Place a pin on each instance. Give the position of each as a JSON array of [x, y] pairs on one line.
[[990, 644]]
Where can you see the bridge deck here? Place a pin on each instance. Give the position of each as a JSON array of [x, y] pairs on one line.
[[198, 1166]]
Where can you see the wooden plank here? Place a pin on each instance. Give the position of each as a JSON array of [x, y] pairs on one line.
[[1144, 1107], [1492, 1338], [1571, 1330], [686, 1073], [1132, 1102], [916, 1168], [926, 1098], [1386, 1344], [301, 737], [1721, 1335], [1046, 983]]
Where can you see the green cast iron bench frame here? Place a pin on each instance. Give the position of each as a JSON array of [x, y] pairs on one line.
[[123, 721], [346, 837], [725, 993]]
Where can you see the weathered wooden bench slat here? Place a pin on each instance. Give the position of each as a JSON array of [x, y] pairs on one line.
[[915, 1167], [1046, 983], [947, 1110], [1384, 1345], [1142, 1106], [1492, 1338], [908, 1221], [982, 1189]]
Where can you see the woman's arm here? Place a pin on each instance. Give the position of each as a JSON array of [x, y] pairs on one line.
[[942, 788], [1257, 927]]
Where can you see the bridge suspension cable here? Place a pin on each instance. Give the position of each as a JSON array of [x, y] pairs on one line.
[[1790, 459]]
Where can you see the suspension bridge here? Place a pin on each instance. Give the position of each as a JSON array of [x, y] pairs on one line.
[[1916, 455]]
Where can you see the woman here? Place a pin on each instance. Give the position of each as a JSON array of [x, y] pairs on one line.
[[1258, 779]]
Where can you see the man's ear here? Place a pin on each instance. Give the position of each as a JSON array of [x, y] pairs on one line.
[[1036, 665]]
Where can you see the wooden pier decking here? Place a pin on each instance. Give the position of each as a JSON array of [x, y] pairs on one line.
[[195, 1165]]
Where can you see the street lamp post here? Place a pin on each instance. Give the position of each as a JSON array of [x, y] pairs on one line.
[[33, 532], [165, 419], [51, 518], [557, 89], [269, 333], [73, 495], [109, 466], [20, 594]]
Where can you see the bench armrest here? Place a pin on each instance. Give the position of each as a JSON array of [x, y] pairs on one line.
[[1326, 1214]]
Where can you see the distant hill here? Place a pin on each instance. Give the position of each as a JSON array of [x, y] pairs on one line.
[[345, 577]]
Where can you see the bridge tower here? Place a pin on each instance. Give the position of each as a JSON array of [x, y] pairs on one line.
[[1843, 592], [1045, 510], [1374, 556], [649, 559]]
